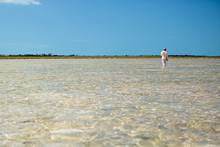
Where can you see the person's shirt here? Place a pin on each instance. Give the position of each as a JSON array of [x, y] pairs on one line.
[[164, 55]]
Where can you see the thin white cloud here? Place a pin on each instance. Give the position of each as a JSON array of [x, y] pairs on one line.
[[21, 2]]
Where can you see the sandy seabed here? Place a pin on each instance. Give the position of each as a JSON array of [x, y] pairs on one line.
[[110, 102]]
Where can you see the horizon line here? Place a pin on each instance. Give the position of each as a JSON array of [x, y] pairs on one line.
[[125, 55]]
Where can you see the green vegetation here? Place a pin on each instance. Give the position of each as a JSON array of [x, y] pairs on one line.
[[50, 56]]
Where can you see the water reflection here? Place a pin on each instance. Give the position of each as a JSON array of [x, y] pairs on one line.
[[110, 102]]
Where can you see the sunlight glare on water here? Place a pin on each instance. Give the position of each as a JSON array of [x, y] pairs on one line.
[[110, 102]]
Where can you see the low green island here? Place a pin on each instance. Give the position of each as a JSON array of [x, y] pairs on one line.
[[51, 56]]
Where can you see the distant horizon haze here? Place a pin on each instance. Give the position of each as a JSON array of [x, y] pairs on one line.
[[51, 54]]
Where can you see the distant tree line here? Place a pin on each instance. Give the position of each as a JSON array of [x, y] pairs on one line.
[[39, 55], [73, 55]]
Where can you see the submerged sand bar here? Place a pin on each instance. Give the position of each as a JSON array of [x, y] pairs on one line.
[[110, 102]]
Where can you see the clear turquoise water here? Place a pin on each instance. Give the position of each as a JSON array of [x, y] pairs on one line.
[[110, 102]]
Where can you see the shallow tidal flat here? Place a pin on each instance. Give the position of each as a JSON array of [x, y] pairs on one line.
[[110, 102]]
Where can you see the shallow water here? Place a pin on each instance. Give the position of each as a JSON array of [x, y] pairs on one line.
[[110, 102]]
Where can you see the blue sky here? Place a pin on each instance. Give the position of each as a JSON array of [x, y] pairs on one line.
[[110, 27]]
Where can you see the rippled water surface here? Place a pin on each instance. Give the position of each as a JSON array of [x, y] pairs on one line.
[[110, 102]]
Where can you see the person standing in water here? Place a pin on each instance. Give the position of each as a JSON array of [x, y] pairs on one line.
[[164, 56]]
